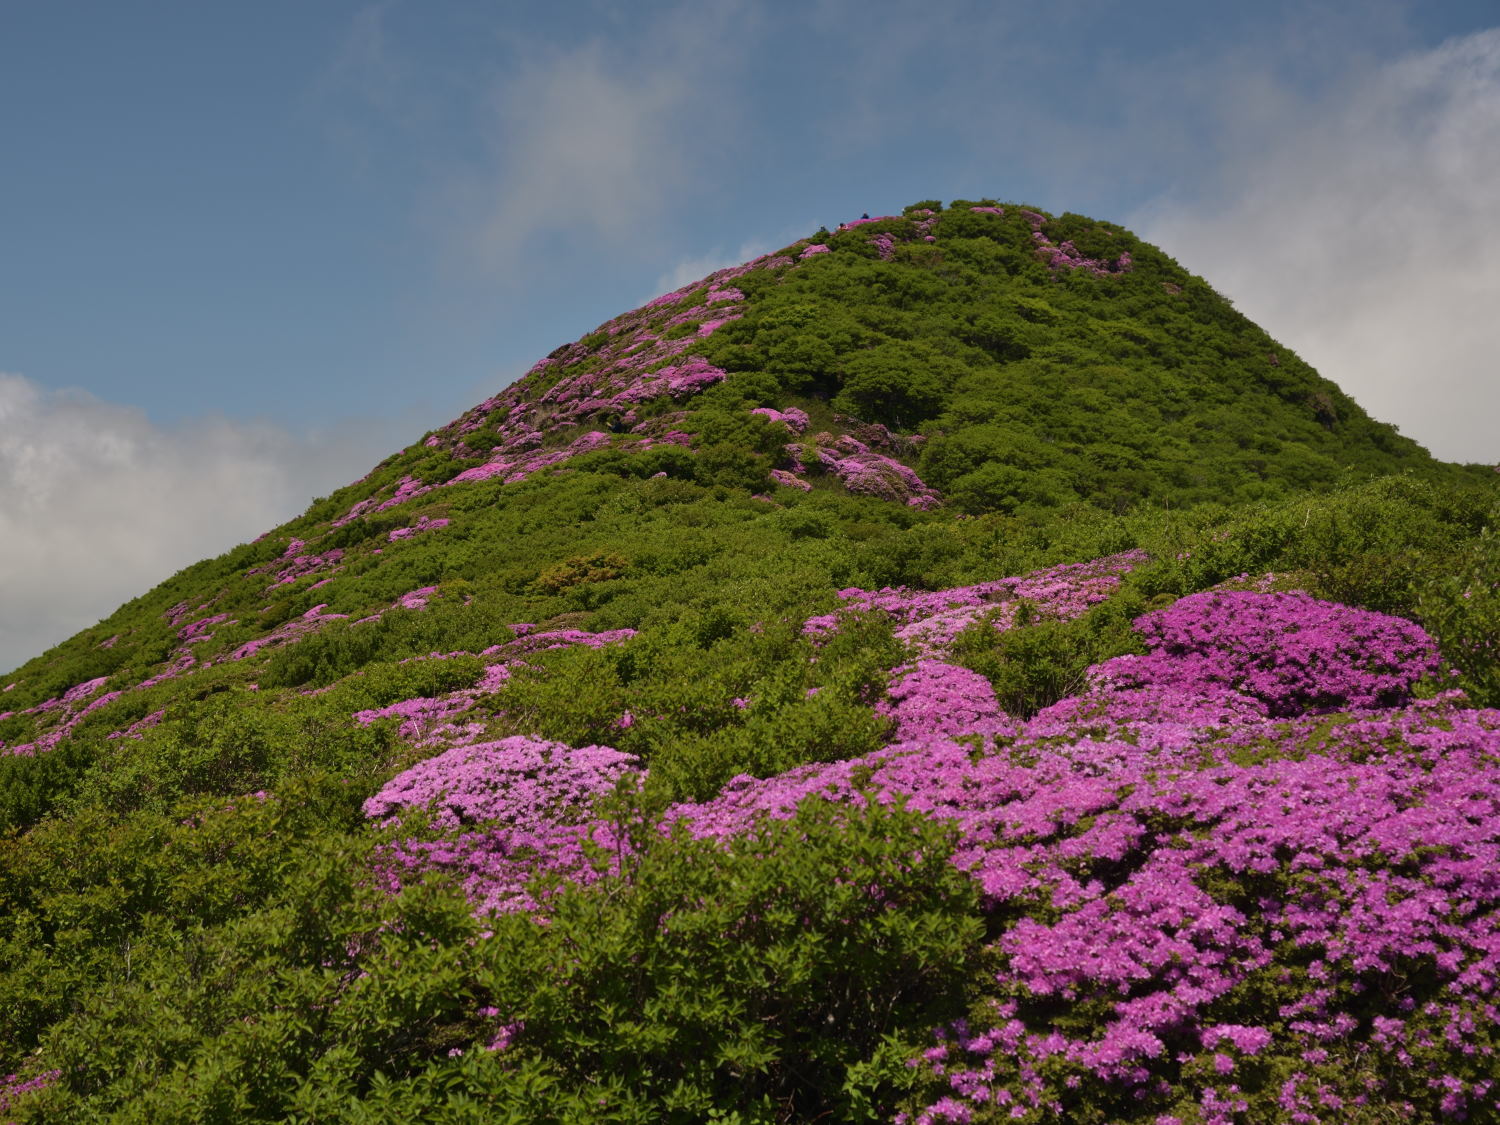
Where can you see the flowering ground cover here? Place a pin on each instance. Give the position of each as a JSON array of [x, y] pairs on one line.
[[1210, 870]]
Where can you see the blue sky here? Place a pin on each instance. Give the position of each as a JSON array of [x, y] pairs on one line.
[[248, 249]]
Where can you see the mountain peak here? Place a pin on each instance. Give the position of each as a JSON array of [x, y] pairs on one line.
[[995, 357]]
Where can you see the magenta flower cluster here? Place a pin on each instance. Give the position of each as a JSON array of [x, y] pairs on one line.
[[432, 721], [1065, 255], [407, 488], [531, 796], [929, 620], [868, 473], [514, 781], [932, 699], [1222, 850], [296, 563], [518, 465], [422, 524], [1293, 653], [853, 459], [13, 1087], [63, 713], [792, 418], [200, 630], [292, 630], [1174, 853]]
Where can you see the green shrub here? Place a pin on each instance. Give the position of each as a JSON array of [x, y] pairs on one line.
[[763, 981]]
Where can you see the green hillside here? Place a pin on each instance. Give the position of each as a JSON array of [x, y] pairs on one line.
[[783, 704]]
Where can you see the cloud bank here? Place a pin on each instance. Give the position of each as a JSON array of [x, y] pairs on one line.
[[99, 503], [1358, 225], [598, 138]]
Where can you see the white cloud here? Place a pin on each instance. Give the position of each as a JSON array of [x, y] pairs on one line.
[[601, 138], [1358, 225], [99, 503]]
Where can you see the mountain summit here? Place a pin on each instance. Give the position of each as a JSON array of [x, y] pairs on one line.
[[1011, 359], [952, 669]]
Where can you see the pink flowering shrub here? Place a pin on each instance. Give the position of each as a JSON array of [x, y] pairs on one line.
[[518, 781], [407, 488], [57, 718], [432, 721], [865, 472], [507, 869], [14, 1088], [75, 695], [1065, 255], [293, 630], [526, 799], [1290, 651], [930, 620], [931, 699], [139, 728], [515, 466], [1160, 898], [422, 524], [790, 480], [416, 599], [200, 630], [792, 418]]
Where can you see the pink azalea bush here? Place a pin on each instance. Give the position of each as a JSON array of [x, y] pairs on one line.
[[294, 629], [1205, 905], [432, 721], [528, 799], [1290, 651], [518, 781], [792, 418], [932, 699], [790, 480], [863, 471], [14, 1088], [1065, 255], [929, 620], [422, 524]]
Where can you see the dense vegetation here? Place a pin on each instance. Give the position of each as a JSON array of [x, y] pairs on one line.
[[953, 669]]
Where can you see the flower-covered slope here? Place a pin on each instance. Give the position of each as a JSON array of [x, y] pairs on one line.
[[1243, 872], [720, 588]]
